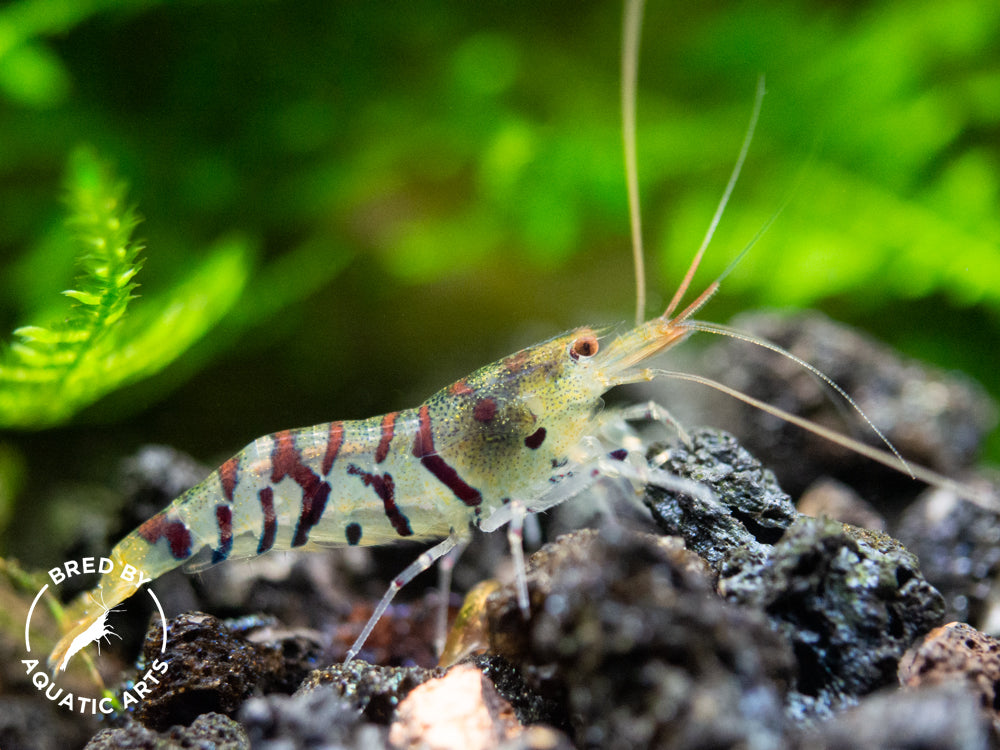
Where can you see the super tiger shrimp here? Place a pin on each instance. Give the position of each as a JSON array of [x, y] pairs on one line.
[[515, 437]]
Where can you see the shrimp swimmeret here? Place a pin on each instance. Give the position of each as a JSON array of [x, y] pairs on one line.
[[517, 436]]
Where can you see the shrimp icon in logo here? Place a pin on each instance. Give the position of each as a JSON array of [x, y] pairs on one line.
[[95, 633], [46, 682]]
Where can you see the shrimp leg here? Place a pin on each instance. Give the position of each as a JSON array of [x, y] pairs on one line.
[[418, 566]]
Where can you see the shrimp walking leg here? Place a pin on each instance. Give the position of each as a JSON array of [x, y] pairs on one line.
[[445, 568], [418, 566], [653, 411], [515, 536]]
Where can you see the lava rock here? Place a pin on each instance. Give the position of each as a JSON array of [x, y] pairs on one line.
[[372, 690], [208, 732], [317, 718], [460, 710], [943, 718], [530, 707], [28, 722], [538, 738], [957, 652], [751, 512], [938, 419], [210, 669], [640, 649], [850, 601], [958, 544], [289, 656]]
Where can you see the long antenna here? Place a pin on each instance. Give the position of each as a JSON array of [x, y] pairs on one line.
[[631, 33], [733, 177]]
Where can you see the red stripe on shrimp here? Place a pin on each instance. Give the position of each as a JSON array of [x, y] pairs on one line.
[[385, 488], [388, 430], [333, 442], [423, 448], [175, 531], [287, 462], [224, 518], [229, 476], [270, 520]]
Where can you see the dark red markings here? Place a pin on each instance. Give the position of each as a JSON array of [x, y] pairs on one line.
[[287, 462], [353, 533], [535, 439], [333, 442], [176, 533], [388, 430], [423, 448], [229, 476], [385, 488], [312, 511], [459, 388], [619, 455], [484, 410], [516, 362], [270, 521], [224, 518]]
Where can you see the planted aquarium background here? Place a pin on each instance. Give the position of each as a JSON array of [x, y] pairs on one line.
[[221, 219]]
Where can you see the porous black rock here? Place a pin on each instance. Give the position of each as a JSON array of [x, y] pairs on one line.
[[751, 511], [849, 600], [632, 638], [209, 670], [958, 543], [943, 717], [372, 690], [210, 730], [317, 718]]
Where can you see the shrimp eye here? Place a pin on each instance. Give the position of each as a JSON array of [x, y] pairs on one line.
[[585, 346]]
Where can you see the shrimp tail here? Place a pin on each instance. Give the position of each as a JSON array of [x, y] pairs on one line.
[[136, 561]]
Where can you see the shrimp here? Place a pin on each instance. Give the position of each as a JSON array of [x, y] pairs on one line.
[[95, 632], [515, 437]]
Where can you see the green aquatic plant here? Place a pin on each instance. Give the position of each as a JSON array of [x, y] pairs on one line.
[[52, 370]]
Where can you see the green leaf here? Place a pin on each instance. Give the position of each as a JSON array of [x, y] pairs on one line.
[[52, 372]]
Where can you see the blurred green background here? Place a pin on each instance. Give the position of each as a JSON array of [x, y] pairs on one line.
[[422, 187]]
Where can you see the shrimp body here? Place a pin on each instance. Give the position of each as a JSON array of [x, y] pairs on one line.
[[482, 451]]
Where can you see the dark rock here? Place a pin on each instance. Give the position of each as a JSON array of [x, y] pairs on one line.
[[538, 737], [751, 511], [530, 707], [208, 732], [850, 602], [958, 544], [943, 718], [935, 418], [640, 649], [372, 690], [288, 655], [32, 723], [317, 718], [210, 669]]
